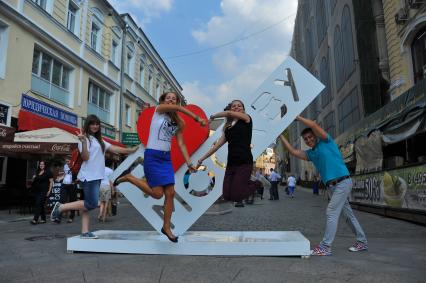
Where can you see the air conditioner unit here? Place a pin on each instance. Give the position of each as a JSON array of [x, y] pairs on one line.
[[401, 17], [415, 4]]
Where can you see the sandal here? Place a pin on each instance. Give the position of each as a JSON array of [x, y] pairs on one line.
[[120, 179]]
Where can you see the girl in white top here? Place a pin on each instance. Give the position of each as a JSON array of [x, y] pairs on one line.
[[92, 150], [157, 160]]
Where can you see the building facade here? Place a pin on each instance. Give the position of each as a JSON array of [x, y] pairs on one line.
[[343, 44], [61, 60]]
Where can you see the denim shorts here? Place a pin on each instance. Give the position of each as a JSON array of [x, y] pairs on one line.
[[91, 193]]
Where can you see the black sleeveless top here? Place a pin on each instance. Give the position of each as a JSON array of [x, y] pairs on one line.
[[239, 140]]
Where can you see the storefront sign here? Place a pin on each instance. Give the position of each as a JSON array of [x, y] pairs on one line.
[[46, 110], [37, 147], [402, 188], [130, 139]]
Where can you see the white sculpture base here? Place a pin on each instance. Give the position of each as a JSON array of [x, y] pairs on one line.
[[247, 243]]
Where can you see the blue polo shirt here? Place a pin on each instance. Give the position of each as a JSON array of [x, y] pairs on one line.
[[327, 159]]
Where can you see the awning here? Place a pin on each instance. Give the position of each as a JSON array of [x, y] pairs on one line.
[[398, 120], [28, 121], [53, 135], [14, 148]]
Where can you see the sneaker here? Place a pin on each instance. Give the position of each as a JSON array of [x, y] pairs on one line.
[[358, 247], [239, 204], [88, 235], [56, 214], [321, 251]]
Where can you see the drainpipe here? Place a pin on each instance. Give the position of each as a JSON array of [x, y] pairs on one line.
[[123, 56]]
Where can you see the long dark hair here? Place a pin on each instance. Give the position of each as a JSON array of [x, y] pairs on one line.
[[229, 120], [38, 167], [173, 115], [90, 120]]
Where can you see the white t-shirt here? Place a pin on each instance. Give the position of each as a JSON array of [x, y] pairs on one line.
[[161, 132], [291, 181], [67, 175], [105, 180], [94, 168]]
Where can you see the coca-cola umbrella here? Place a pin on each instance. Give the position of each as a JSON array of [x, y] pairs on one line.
[[43, 141]]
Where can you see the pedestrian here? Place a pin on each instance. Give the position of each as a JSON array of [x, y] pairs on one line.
[[105, 191], [326, 157], [291, 185], [92, 149], [158, 166], [41, 187], [261, 179], [237, 131], [274, 178], [69, 188]]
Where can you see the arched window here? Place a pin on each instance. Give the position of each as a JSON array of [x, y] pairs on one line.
[[321, 21], [96, 29], [418, 53], [338, 58], [347, 41], [325, 79], [333, 5]]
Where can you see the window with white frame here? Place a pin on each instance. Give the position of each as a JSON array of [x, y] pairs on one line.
[[142, 71], [94, 36], [128, 115], [72, 17], [99, 102], [41, 3], [114, 52], [50, 77], [150, 84], [130, 62], [157, 89], [96, 29], [4, 40]]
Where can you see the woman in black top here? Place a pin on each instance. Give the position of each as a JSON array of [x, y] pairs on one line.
[[41, 187], [237, 131]]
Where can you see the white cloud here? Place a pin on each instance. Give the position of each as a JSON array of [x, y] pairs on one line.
[[245, 63], [148, 9]]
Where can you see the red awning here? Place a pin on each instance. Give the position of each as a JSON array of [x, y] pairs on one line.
[[28, 121]]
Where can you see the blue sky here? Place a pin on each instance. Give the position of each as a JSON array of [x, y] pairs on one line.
[[210, 79]]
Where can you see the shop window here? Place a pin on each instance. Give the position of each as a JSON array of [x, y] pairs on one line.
[[50, 77], [418, 52]]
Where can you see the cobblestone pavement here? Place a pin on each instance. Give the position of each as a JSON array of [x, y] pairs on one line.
[[396, 253]]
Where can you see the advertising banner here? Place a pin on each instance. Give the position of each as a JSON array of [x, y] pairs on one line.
[[399, 188]]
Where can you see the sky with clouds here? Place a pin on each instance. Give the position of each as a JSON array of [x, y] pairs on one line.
[[216, 49]]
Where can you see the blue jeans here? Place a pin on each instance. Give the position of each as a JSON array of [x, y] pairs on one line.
[[339, 203], [91, 193]]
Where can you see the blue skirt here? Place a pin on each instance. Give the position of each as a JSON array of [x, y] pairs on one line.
[[158, 168]]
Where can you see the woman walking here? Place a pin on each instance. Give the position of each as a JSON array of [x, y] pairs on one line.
[[92, 149], [158, 167], [237, 131], [41, 187]]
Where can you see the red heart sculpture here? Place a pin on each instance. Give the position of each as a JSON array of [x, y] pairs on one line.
[[194, 135]]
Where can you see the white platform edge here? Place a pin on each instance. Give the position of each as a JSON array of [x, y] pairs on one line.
[[233, 243]]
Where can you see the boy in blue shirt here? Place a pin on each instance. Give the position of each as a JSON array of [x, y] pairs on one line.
[[326, 157]]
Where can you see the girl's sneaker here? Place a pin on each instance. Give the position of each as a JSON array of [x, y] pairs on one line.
[[358, 247], [321, 250], [88, 235]]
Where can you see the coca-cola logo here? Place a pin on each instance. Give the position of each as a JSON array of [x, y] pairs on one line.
[[61, 147], [3, 133]]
